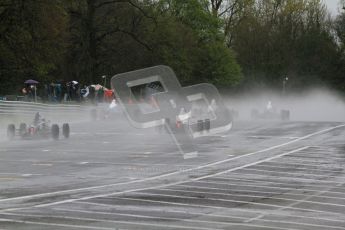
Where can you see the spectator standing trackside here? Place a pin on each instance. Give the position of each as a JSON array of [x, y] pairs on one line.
[[92, 94], [58, 92], [108, 95], [100, 94]]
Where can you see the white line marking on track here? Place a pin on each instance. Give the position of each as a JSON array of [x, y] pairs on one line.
[[299, 175], [272, 137], [103, 220], [262, 197], [309, 180], [245, 202], [51, 224], [165, 185], [225, 208], [259, 186], [295, 179], [169, 209], [314, 158], [305, 200], [251, 164], [298, 168], [292, 186], [232, 191], [173, 173], [195, 220], [146, 217], [29, 175], [239, 202], [301, 163], [98, 162]]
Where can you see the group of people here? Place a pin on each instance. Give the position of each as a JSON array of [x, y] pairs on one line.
[[58, 92], [29, 92]]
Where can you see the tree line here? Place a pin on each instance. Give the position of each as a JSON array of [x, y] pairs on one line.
[[234, 44]]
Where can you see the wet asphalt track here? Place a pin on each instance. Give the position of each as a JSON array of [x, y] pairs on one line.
[[108, 175]]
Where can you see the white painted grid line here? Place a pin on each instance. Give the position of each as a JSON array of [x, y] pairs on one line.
[[326, 165], [312, 159], [266, 187], [271, 197], [141, 224], [305, 200], [273, 180], [250, 202], [54, 225], [297, 174], [297, 168], [223, 208], [170, 210], [198, 220], [177, 172], [309, 180], [163, 226], [165, 185], [270, 180]]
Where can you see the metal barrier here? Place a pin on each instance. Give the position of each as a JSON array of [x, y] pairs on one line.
[[28, 108]]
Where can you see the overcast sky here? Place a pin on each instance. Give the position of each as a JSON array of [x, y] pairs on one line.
[[332, 6]]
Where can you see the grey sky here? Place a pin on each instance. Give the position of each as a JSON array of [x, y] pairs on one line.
[[332, 6]]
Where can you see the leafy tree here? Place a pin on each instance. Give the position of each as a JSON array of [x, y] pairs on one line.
[[31, 41], [290, 38], [193, 43]]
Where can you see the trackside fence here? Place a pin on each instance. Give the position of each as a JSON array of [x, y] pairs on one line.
[[20, 111], [29, 108]]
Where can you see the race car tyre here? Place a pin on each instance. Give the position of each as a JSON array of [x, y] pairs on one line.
[[11, 130], [65, 130], [22, 129], [55, 131], [285, 115], [200, 125], [207, 125]]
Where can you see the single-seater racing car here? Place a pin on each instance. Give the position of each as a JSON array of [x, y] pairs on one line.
[[39, 128], [270, 113]]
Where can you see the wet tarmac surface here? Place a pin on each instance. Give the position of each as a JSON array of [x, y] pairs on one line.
[[261, 175]]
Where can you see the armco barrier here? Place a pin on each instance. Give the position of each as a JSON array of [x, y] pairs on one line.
[[28, 108]]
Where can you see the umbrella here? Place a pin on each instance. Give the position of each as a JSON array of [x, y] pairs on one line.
[[98, 87], [30, 81]]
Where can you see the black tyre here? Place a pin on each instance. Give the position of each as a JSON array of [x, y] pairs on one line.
[[55, 131], [207, 125], [22, 129], [11, 131], [200, 125], [65, 130]]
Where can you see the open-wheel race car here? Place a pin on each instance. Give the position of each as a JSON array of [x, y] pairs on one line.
[[39, 128], [270, 113]]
